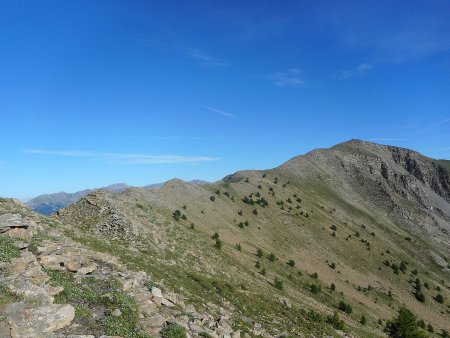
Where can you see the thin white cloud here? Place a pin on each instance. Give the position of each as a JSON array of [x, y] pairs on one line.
[[360, 70], [204, 58], [220, 111], [289, 78], [388, 139], [432, 126], [123, 158]]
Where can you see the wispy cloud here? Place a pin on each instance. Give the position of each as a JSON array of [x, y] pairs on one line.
[[384, 139], [204, 58], [432, 126], [220, 111], [289, 78], [123, 158], [360, 70]]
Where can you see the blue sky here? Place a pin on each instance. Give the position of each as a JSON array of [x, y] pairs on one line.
[[98, 92]]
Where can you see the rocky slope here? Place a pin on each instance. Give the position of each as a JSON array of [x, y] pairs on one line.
[[52, 286]]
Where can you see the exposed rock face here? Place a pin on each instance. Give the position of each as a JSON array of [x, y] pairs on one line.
[[14, 225], [413, 189], [425, 170]]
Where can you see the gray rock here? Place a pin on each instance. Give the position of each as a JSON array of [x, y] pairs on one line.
[[117, 313]]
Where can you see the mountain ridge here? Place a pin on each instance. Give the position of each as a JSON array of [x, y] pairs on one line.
[[370, 193]]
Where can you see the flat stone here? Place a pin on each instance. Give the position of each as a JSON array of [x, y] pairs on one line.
[[190, 309], [167, 303], [36, 322], [147, 307], [156, 292], [52, 262], [157, 320], [72, 266], [117, 313], [21, 245], [87, 269]]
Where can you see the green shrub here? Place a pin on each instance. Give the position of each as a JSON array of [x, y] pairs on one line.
[[291, 263], [259, 253], [212, 198], [173, 330]]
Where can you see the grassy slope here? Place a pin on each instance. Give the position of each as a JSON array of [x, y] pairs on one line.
[[185, 259]]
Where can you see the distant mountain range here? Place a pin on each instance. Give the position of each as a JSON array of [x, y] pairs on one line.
[[48, 204]]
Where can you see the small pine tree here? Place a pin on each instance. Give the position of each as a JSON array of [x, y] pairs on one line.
[[259, 253], [345, 307], [335, 321], [278, 283], [215, 236], [218, 244], [332, 287], [291, 263], [212, 198], [255, 212], [176, 215], [272, 257], [238, 247], [363, 320], [315, 289], [258, 265], [405, 325], [439, 298], [263, 272]]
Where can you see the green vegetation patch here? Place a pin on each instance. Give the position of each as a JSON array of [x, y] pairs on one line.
[[7, 249], [173, 330], [100, 297], [6, 296]]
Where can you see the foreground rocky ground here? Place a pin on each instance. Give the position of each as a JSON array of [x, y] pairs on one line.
[[54, 287]]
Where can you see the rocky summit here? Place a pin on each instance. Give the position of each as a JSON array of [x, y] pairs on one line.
[[340, 242]]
